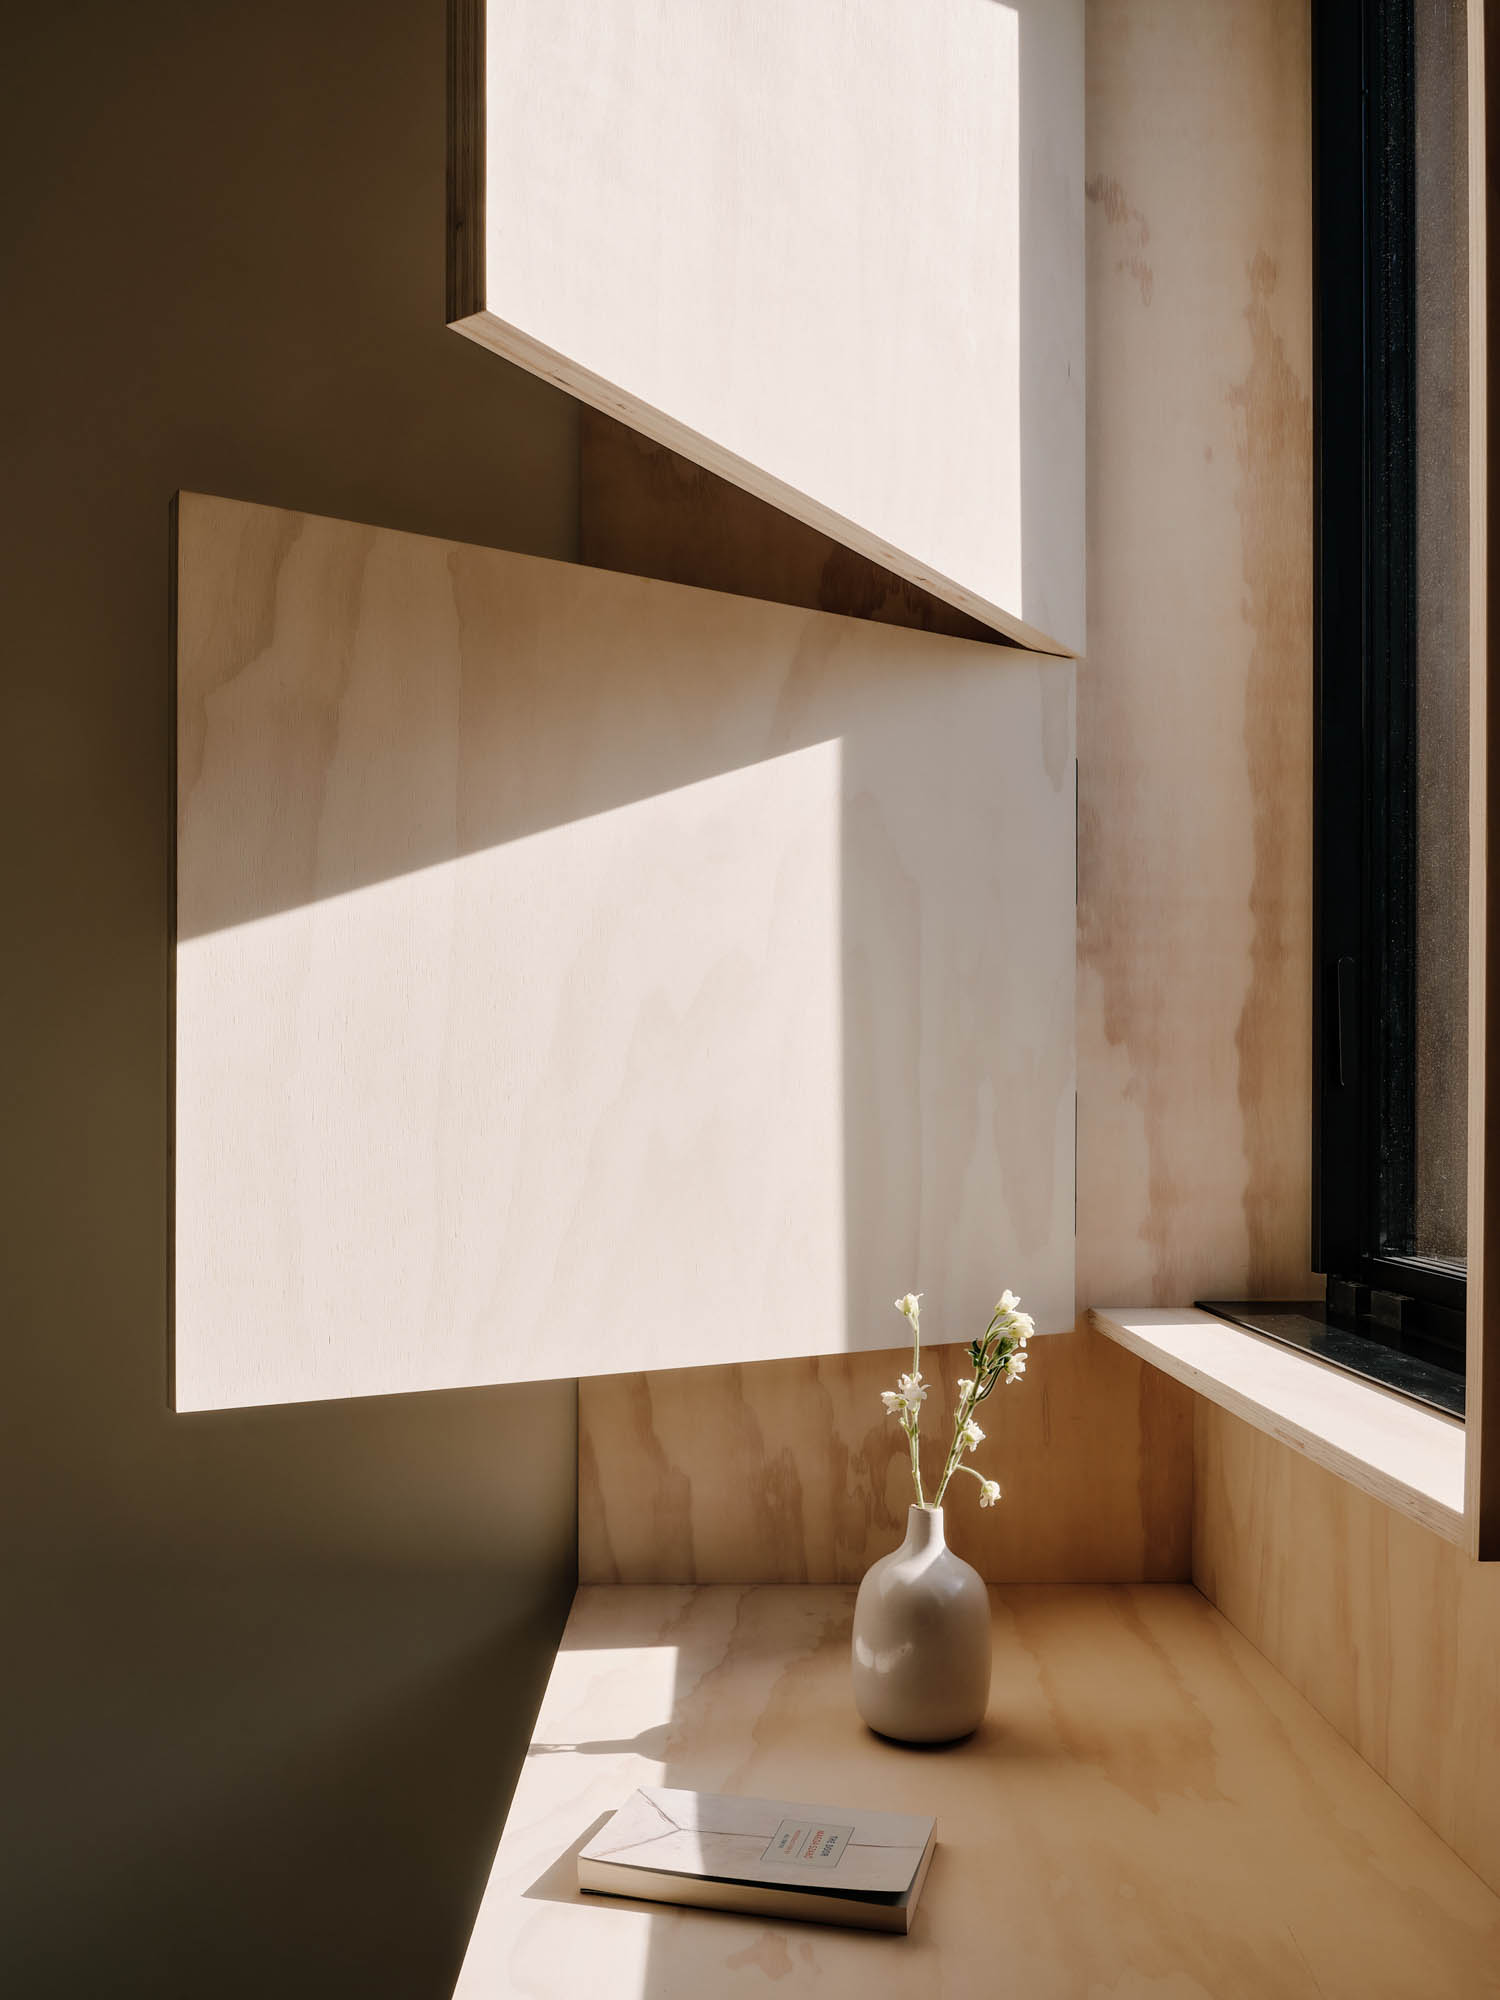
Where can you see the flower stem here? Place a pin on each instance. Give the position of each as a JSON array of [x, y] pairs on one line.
[[916, 1415], [965, 1410]]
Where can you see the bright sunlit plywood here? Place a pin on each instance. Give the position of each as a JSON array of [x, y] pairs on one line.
[[1405, 1455], [578, 973], [1148, 1812], [832, 252]]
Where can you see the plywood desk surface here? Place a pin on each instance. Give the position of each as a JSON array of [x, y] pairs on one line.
[[1149, 1810]]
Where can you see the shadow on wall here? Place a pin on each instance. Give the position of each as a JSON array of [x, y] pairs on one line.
[[267, 1675], [262, 1779]]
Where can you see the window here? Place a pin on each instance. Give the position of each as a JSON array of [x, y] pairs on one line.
[[1391, 803]]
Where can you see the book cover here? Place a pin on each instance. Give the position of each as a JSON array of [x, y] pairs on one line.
[[764, 1857]]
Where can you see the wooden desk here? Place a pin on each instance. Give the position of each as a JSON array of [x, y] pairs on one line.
[[1149, 1813]]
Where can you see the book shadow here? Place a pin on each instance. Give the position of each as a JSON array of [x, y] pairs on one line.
[[558, 1881]]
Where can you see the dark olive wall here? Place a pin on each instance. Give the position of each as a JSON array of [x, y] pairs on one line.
[[264, 1676]]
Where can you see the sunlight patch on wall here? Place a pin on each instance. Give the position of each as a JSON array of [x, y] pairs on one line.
[[564, 1105]]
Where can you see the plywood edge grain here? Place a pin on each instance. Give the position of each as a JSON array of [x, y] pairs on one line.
[[512, 343], [1408, 1458], [1483, 1356], [465, 158]]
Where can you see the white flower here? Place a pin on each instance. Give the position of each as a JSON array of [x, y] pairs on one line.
[[911, 1305], [965, 1388], [913, 1389], [1023, 1326], [1015, 1367], [989, 1492], [972, 1435], [1007, 1305], [894, 1404]]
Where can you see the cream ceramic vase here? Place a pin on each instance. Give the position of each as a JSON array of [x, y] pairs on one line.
[[922, 1639]]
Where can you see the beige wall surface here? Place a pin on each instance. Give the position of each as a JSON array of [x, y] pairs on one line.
[[266, 1674], [834, 252]]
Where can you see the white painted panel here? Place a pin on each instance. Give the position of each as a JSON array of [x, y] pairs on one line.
[[578, 973], [830, 248]]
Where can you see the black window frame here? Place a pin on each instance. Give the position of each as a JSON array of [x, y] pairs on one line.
[[1364, 455]]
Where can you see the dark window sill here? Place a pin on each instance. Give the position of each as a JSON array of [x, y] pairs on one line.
[[1408, 1369]]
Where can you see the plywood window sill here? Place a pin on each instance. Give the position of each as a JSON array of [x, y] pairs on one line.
[[1408, 1457]]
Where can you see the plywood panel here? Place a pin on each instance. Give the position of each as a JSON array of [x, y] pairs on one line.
[[1390, 1632], [1195, 714], [833, 253], [1148, 1809], [577, 971], [790, 1471]]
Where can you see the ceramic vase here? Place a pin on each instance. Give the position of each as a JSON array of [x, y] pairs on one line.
[[922, 1639]]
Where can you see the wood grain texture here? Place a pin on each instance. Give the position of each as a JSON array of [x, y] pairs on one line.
[[1401, 1453], [576, 971], [1195, 853], [790, 1471], [645, 509], [1195, 713], [835, 260], [1391, 1633], [1148, 1808]]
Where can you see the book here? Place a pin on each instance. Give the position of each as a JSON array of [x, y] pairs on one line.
[[762, 1857]]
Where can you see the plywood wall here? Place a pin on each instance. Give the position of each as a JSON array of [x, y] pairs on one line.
[[576, 970], [1195, 708], [835, 253], [791, 1471], [1391, 1632], [1195, 731]]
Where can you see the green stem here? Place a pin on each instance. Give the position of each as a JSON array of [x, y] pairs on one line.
[[916, 1415], [955, 1450], [986, 1374]]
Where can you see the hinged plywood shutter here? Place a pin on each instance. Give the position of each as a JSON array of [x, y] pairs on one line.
[[831, 249]]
